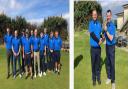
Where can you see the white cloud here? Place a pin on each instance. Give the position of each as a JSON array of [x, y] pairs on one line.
[[36, 21], [15, 5], [66, 16]]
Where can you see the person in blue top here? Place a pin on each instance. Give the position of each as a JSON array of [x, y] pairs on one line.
[[95, 41], [46, 36], [42, 53], [110, 31], [22, 41], [57, 48], [51, 49], [16, 46], [36, 46], [32, 59], [8, 44], [27, 54]]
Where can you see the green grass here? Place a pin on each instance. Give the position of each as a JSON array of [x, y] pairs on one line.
[[82, 71], [51, 81]]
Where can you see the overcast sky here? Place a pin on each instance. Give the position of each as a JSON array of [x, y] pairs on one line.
[[114, 5], [35, 10]]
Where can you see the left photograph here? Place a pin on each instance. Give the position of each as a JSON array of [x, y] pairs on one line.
[[34, 44]]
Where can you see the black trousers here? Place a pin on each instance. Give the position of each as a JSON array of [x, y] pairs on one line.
[[110, 62], [95, 62], [9, 60]]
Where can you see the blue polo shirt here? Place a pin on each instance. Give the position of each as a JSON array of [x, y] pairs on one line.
[[46, 38], [95, 26], [112, 31], [8, 41], [27, 45], [35, 44], [16, 42], [57, 44], [42, 44], [51, 43], [22, 40]]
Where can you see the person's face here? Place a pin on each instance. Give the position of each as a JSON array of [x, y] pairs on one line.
[[16, 33], [31, 33], [51, 34], [109, 16], [27, 35], [35, 33], [45, 31], [41, 34], [94, 15], [56, 34], [8, 30], [22, 33]]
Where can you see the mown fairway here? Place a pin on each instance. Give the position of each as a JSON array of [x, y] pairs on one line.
[[51, 81], [82, 65]]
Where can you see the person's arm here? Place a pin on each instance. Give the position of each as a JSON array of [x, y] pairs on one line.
[[92, 34], [13, 51], [19, 50], [110, 35], [23, 51]]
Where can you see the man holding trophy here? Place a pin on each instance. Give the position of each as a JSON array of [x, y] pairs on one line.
[[109, 34]]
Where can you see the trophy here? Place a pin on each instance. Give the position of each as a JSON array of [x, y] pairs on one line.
[[104, 25]]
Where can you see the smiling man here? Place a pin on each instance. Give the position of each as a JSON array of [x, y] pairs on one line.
[[110, 31], [95, 41]]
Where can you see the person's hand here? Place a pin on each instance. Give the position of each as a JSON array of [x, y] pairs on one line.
[[100, 41], [15, 54], [44, 53], [31, 55], [51, 51], [23, 55]]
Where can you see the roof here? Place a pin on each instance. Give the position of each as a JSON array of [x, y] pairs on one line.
[[120, 14], [125, 5]]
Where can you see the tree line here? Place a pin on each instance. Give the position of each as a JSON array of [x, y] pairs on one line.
[[82, 13], [19, 23]]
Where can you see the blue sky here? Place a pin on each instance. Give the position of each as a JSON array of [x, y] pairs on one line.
[[35, 10]]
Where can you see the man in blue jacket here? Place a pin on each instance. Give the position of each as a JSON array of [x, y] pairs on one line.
[[46, 42], [16, 46], [32, 59], [27, 54], [110, 31], [22, 40], [51, 49], [42, 53], [35, 46], [95, 41], [57, 51], [8, 44]]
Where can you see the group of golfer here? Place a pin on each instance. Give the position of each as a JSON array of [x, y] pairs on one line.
[[35, 54], [97, 37]]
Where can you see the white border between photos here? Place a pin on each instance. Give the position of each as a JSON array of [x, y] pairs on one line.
[[71, 39]]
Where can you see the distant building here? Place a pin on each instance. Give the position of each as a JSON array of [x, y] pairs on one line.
[[122, 19]]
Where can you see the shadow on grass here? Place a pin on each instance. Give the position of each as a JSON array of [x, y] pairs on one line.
[[77, 60], [103, 62]]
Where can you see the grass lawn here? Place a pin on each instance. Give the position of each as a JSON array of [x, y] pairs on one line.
[[51, 81], [82, 65]]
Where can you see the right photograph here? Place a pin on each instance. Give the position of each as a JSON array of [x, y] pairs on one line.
[[100, 44]]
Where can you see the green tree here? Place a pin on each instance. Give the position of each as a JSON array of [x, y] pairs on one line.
[[56, 23], [82, 13]]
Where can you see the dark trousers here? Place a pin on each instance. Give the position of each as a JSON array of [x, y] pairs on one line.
[[95, 62], [9, 60], [51, 61], [42, 61], [15, 59], [110, 62], [23, 63]]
